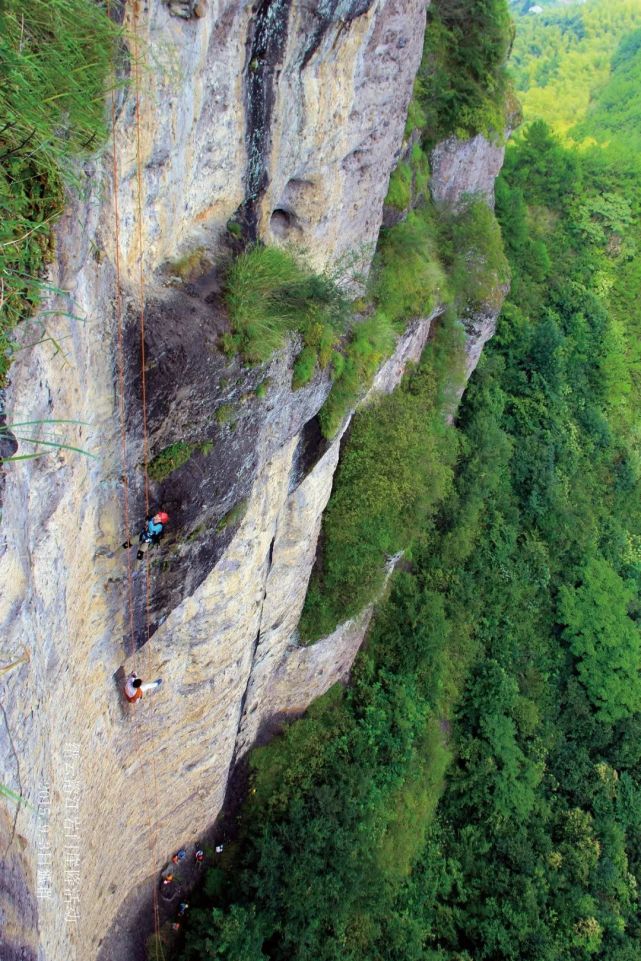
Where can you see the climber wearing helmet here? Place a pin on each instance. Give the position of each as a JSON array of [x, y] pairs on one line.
[[150, 534]]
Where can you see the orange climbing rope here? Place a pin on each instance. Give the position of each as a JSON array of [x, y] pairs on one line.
[[141, 279], [121, 365], [152, 831]]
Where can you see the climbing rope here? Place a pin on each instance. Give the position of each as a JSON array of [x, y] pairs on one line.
[[143, 380], [152, 831], [121, 365]]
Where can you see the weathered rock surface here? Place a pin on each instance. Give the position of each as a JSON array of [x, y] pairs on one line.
[[480, 326], [461, 167]]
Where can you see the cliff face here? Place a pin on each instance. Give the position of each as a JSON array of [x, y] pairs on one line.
[[287, 119]]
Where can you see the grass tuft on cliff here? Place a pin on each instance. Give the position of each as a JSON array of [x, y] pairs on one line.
[[270, 294], [55, 58]]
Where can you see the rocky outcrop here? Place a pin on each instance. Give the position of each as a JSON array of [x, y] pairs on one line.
[[465, 167], [462, 171], [480, 326]]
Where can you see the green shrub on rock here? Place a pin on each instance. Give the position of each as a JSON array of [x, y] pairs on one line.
[[269, 294]]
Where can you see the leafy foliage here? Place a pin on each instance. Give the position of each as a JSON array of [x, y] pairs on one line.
[[170, 459], [462, 78], [399, 192], [394, 470], [604, 639], [562, 57]]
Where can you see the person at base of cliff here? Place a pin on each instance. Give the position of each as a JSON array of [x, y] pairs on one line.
[[135, 688], [150, 534]]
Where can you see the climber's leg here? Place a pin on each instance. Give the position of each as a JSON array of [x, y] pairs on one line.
[[143, 547]]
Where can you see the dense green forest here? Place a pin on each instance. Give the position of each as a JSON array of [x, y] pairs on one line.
[[563, 56], [476, 792]]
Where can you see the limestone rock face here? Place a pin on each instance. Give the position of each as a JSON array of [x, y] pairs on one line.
[[461, 167], [287, 116], [338, 118], [480, 326]]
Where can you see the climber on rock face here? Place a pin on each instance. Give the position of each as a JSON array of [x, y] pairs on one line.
[[150, 534], [135, 688]]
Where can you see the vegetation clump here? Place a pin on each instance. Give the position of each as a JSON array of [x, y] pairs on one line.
[[394, 471], [399, 192], [232, 517], [409, 181], [174, 456], [270, 294], [224, 414], [463, 76], [304, 367], [471, 246], [190, 266], [56, 60]]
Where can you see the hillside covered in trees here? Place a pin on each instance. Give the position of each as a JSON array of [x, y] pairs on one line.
[[476, 792]]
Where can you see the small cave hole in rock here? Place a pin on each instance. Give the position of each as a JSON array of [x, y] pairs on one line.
[[281, 222], [311, 447], [270, 555]]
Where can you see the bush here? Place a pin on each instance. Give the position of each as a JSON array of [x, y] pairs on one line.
[[224, 414], [399, 192], [416, 118], [421, 168], [270, 294], [169, 460], [463, 74], [304, 367], [323, 339], [472, 247], [408, 280], [371, 341]]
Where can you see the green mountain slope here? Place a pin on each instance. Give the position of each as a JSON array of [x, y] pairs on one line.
[[563, 55], [614, 114]]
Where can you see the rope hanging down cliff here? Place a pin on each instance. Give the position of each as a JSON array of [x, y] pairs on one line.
[[151, 824]]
